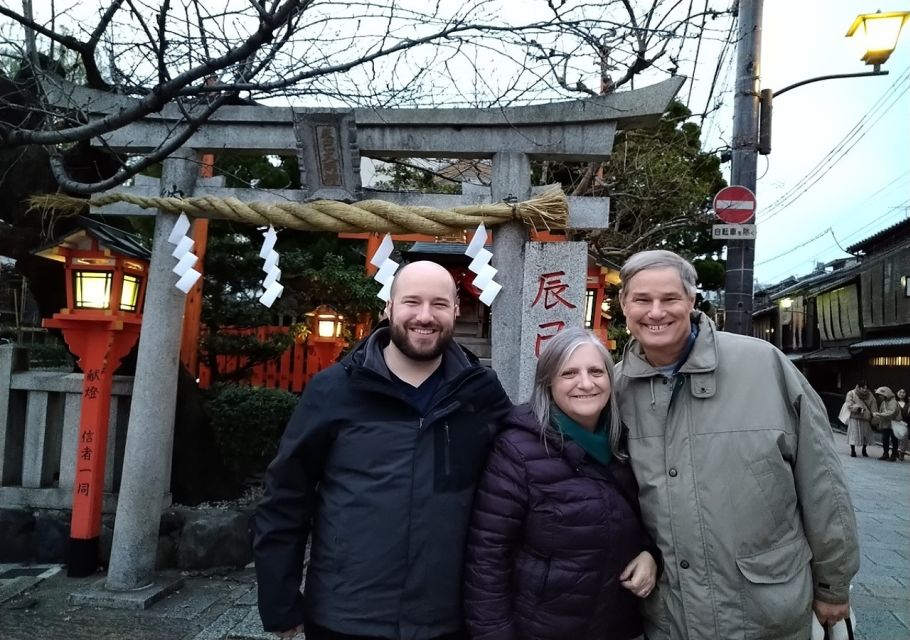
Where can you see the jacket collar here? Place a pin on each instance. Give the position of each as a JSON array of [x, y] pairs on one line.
[[522, 417], [369, 355], [700, 365]]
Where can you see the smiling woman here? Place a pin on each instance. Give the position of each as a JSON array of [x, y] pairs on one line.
[[556, 547], [581, 388]]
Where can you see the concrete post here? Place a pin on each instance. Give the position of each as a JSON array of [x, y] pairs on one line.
[[150, 433], [511, 177], [12, 360], [741, 253]]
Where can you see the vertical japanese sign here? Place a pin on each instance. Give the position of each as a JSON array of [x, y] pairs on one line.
[[553, 298], [88, 487]]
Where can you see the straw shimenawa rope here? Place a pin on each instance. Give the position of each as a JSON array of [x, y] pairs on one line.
[[547, 211]]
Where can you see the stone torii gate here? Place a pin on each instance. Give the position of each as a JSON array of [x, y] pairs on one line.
[[543, 284]]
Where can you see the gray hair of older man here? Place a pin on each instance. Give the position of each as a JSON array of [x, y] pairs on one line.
[[659, 259], [556, 352]]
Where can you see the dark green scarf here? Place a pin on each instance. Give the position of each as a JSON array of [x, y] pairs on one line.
[[596, 444]]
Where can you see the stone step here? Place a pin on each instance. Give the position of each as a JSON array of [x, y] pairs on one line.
[[481, 347]]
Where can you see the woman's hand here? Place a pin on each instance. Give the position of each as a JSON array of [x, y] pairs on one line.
[[640, 575]]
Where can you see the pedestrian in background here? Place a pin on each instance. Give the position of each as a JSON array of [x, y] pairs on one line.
[[740, 483], [888, 410], [557, 549], [904, 404], [861, 404]]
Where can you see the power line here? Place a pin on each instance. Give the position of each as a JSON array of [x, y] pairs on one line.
[[852, 234], [701, 31], [791, 249], [850, 210], [720, 61], [859, 130], [829, 161]]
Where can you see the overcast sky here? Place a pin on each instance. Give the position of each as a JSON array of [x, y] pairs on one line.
[[841, 148], [866, 120]]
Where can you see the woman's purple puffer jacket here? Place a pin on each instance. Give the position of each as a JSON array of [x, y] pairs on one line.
[[551, 532]]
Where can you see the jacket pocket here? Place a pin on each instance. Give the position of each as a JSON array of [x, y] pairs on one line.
[[460, 447], [775, 482], [530, 575], [776, 590], [654, 614]]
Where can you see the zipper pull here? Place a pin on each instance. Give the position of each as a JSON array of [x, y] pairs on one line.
[[448, 456]]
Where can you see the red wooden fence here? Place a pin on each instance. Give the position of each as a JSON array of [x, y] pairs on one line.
[[289, 371]]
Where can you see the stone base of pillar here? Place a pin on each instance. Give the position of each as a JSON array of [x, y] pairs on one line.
[[99, 596]]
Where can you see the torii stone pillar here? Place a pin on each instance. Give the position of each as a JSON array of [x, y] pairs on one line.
[[511, 177], [150, 435], [542, 284]]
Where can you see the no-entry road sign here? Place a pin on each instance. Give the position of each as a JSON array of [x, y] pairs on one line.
[[734, 204]]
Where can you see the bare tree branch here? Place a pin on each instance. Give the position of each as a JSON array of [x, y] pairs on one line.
[[128, 171], [360, 52]]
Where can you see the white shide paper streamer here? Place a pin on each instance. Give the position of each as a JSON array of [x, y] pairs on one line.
[[480, 264], [186, 259], [387, 267], [273, 288]]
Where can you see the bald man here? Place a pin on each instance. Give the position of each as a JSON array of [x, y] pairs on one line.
[[378, 466]]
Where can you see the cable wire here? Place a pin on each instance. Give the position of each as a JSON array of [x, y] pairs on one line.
[[840, 150]]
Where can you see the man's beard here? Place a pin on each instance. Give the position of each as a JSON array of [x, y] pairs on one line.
[[401, 339]]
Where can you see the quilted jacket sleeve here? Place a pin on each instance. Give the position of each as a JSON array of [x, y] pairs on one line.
[[284, 517], [500, 506]]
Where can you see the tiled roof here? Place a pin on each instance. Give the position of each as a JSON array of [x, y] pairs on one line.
[[898, 341], [894, 229]]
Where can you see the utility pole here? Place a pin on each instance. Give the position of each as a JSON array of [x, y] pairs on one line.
[[741, 253]]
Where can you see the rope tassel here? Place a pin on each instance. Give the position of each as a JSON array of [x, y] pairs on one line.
[[549, 211]]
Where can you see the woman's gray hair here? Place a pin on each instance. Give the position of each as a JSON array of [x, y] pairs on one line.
[[556, 352], [659, 259]]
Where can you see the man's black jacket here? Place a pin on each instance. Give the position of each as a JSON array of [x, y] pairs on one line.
[[386, 494]]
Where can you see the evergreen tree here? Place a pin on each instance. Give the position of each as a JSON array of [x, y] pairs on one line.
[[316, 269]]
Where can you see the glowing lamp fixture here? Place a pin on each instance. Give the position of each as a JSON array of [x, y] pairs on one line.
[[99, 281], [93, 285], [879, 33], [327, 325], [786, 303]]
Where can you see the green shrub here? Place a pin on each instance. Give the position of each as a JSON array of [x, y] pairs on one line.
[[47, 355], [248, 422]]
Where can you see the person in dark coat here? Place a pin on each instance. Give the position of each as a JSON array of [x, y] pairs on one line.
[[556, 548], [379, 464]]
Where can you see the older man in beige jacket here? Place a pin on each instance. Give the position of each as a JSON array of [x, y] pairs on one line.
[[740, 484]]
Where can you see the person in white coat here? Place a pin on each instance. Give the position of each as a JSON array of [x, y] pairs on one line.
[[861, 404]]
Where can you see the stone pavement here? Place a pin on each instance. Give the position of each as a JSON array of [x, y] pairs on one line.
[[35, 601], [881, 499]]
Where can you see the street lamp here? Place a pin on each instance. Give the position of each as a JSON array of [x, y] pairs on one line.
[[879, 33], [106, 271], [752, 133]]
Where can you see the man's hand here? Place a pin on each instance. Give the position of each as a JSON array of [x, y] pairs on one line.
[[291, 633], [640, 575], [828, 613]]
